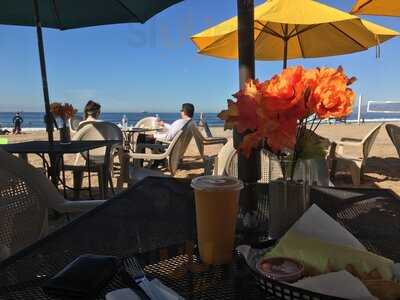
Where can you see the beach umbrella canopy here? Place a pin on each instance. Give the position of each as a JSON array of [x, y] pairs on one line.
[[68, 14], [389, 8], [287, 29]]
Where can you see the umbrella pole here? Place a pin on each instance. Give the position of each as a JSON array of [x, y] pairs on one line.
[[285, 46], [285, 53], [248, 168], [48, 118], [246, 40]]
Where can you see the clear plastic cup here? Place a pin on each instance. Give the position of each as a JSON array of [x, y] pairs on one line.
[[217, 206]]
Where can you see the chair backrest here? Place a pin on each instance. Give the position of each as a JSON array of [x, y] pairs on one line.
[[98, 131], [203, 123], [74, 123], [227, 163], [179, 146], [369, 140], [148, 122], [25, 196], [207, 130], [199, 139], [394, 134]]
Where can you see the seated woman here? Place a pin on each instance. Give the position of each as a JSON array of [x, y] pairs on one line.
[[92, 112]]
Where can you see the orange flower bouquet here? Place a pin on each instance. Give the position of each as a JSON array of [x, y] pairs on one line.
[[282, 112], [63, 111]]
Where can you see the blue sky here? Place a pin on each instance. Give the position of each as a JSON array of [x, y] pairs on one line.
[[155, 67]]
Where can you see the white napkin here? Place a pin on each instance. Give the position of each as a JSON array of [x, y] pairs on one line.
[[337, 284], [122, 294], [163, 292], [159, 290], [318, 224]]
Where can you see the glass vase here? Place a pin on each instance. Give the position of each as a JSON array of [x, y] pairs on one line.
[[65, 135], [287, 200]]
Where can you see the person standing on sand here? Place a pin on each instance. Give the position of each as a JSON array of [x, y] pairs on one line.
[[17, 120]]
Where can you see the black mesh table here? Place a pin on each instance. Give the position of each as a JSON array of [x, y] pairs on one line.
[[154, 221], [57, 151], [45, 147]]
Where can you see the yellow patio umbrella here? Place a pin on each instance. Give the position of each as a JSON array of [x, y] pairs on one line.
[[287, 29], [389, 8]]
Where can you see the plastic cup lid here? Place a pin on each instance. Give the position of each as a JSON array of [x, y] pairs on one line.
[[216, 183]]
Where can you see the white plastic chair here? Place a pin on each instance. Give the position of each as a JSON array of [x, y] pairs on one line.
[[173, 154], [394, 134], [227, 163], [101, 159], [203, 123], [148, 122], [314, 171], [74, 123], [351, 154], [202, 141], [26, 195]]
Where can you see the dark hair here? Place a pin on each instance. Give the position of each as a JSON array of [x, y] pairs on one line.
[[188, 109], [91, 109]]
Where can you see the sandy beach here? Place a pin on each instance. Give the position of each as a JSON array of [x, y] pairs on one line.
[[382, 168]]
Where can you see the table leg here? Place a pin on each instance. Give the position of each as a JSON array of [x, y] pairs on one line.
[[53, 169], [64, 183], [23, 156], [123, 157], [89, 175]]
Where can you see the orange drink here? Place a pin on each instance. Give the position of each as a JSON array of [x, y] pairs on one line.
[[217, 205]]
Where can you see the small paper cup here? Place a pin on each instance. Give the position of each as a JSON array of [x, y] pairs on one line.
[[280, 268]]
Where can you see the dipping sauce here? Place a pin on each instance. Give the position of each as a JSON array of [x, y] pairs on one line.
[[280, 268]]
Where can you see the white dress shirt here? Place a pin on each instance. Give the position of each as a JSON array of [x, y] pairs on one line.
[[172, 130]]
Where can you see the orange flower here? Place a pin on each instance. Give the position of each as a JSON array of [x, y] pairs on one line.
[[282, 133], [251, 88], [63, 111], [332, 98], [56, 109], [230, 115], [247, 108], [273, 109], [250, 141], [69, 111], [283, 91]]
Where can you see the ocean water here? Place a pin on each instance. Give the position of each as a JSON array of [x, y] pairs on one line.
[[34, 120]]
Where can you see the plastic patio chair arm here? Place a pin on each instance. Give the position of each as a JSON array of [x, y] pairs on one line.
[[141, 147], [78, 206], [354, 140], [221, 140], [348, 143], [148, 156]]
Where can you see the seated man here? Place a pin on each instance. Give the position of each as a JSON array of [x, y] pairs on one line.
[[187, 113], [171, 131]]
